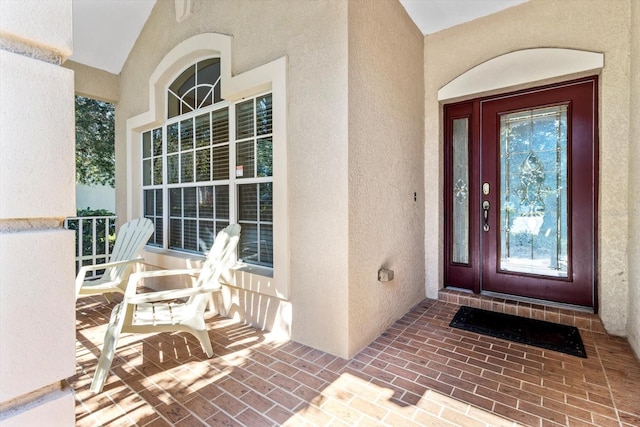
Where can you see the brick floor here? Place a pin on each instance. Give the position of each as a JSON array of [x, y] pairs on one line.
[[420, 372]]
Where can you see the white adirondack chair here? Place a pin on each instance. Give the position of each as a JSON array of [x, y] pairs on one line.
[[130, 240], [159, 312]]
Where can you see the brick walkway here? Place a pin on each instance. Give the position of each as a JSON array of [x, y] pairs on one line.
[[420, 372]]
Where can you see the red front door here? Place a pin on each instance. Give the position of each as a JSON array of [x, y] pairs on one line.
[[520, 193]]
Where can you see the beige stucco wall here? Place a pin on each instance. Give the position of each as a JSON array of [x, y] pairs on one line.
[[633, 328], [93, 83], [600, 27], [351, 181], [313, 36], [386, 222], [37, 181]]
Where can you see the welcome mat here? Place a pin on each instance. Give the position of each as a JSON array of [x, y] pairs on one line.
[[538, 333]]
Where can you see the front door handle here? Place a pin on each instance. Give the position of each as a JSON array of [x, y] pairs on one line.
[[485, 214]]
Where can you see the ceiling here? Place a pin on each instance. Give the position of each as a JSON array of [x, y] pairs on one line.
[[104, 31]]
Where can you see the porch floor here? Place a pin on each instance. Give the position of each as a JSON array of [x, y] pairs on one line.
[[420, 372]]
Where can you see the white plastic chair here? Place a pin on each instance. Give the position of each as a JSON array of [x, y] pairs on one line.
[[159, 312], [130, 240]]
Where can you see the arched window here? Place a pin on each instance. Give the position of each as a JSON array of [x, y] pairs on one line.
[[208, 165], [197, 87]]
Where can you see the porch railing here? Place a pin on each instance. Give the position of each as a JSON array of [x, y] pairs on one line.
[[95, 236]]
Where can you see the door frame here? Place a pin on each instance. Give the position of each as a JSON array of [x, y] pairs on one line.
[[455, 274]]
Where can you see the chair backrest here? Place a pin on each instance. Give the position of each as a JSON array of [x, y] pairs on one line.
[[223, 247], [130, 240]]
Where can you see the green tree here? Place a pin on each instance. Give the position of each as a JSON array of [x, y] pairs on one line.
[[95, 142]]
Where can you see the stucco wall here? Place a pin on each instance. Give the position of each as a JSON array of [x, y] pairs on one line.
[[37, 302], [386, 221], [633, 328], [93, 83], [600, 27], [313, 35]]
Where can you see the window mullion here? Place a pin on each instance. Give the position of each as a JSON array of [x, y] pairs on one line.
[[233, 210], [165, 190]]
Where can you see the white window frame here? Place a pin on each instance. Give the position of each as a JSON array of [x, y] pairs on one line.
[[233, 181], [270, 77]]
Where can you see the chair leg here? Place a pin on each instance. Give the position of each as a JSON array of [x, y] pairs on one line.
[[205, 341], [108, 348]]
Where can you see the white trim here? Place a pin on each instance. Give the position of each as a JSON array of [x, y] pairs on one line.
[[268, 77], [520, 67]]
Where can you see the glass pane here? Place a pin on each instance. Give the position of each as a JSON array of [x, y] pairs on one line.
[[203, 133], [186, 167], [190, 234], [184, 82], [172, 138], [244, 159], [175, 201], [146, 144], [149, 202], [263, 115], [203, 164], [157, 171], [461, 191], [265, 157], [248, 245], [244, 120], [220, 225], [190, 204], [208, 71], [173, 106], [158, 233], [158, 202], [533, 192], [172, 169], [266, 202], [188, 101], [248, 202], [222, 202], [266, 244], [146, 172], [186, 135], [175, 234], [205, 202], [221, 162], [205, 96], [220, 124], [157, 142], [206, 235]]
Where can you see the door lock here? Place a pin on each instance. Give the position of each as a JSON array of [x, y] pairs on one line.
[[485, 214]]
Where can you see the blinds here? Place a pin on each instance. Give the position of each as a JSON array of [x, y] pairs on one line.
[[188, 168]]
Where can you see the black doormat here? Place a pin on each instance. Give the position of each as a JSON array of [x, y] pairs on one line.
[[538, 333]]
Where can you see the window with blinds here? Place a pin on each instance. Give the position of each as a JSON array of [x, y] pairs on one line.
[[209, 165]]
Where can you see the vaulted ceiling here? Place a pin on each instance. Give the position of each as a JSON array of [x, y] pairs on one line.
[[104, 31]]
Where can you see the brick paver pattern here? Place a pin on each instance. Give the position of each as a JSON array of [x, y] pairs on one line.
[[419, 372]]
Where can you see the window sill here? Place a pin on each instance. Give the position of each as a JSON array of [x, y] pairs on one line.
[[253, 269], [253, 278]]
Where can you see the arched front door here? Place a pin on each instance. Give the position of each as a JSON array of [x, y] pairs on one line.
[[521, 193]]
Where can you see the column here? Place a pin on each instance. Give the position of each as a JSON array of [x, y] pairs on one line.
[[37, 191]]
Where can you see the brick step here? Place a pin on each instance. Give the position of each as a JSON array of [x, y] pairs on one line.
[[582, 320]]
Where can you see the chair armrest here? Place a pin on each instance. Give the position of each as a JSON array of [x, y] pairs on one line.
[[164, 273], [167, 295], [85, 268]]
